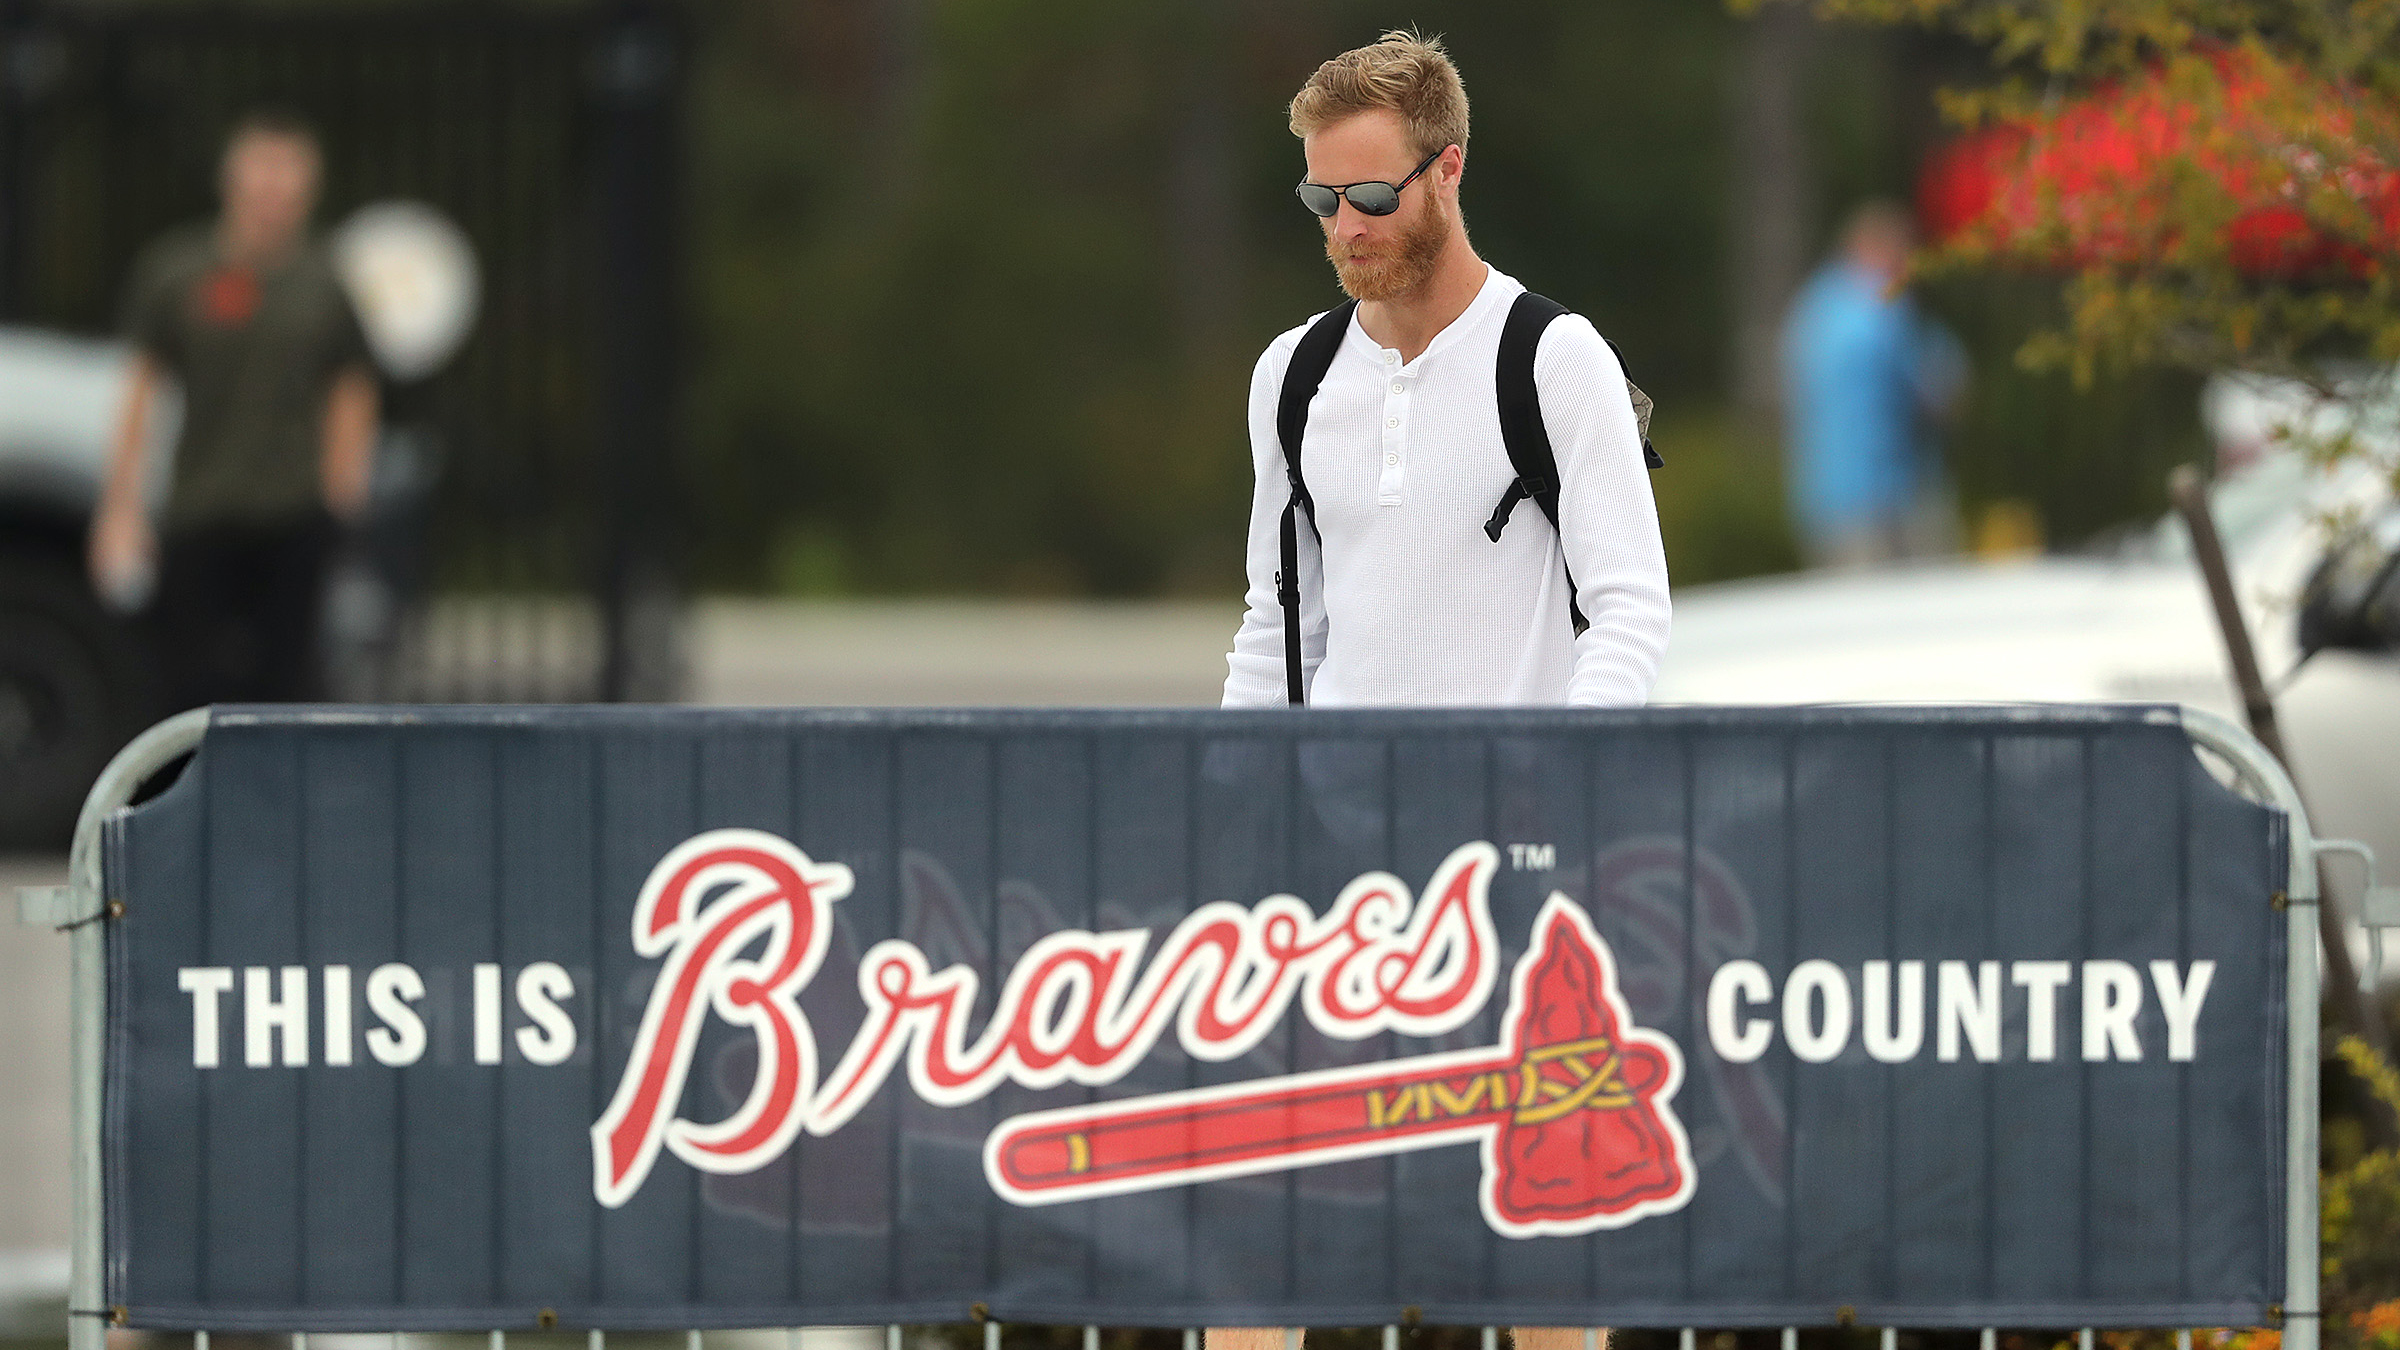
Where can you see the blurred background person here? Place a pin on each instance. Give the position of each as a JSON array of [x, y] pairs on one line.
[[279, 423], [1867, 378]]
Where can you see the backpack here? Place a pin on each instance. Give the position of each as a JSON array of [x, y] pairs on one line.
[[1521, 429]]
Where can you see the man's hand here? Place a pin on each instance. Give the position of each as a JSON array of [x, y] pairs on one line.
[[123, 553], [349, 444]]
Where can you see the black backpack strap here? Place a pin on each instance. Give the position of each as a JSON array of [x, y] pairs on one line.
[[1310, 360], [1521, 428], [1528, 438]]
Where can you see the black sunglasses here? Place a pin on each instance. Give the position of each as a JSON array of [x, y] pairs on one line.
[[1374, 199]]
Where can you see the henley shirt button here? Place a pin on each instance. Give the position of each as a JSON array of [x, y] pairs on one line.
[[1391, 421], [1399, 388], [1390, 357], [1391, 459]]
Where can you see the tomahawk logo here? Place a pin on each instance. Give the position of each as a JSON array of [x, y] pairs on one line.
[[1572, 1110]]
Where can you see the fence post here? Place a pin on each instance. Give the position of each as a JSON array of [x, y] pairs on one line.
[[15, 21], [638, 62]]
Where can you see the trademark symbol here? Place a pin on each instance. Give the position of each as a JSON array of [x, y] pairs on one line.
[[1533, 857]]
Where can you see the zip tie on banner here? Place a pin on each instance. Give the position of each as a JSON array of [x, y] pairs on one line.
[[114, 909]]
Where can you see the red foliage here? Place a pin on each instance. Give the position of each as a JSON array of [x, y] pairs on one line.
[[2100, 171]]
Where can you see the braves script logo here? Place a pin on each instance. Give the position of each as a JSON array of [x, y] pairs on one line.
[[1572, 1110]]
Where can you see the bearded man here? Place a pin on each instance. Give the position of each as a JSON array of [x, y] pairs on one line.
[[1405, 592]]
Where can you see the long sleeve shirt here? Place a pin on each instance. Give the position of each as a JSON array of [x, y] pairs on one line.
[[1406, 600]]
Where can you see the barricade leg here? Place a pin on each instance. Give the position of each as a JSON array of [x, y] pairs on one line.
[[88, 1318], [2266, 778]]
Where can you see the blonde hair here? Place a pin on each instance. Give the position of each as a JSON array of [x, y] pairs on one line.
[[1402, 72]]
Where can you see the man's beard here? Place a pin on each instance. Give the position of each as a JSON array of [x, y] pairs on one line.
[[1407, 260]]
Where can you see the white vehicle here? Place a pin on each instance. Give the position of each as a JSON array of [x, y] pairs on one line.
[[74, 681], [2133, 623]]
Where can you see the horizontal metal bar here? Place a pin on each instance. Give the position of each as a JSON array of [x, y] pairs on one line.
[[45, 906]]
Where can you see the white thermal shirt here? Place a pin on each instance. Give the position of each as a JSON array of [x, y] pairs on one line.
[[1407, 601]]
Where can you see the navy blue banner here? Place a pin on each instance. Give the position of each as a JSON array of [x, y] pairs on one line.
[[462, 1019]]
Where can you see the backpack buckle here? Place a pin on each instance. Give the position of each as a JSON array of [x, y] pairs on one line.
[[1517, 492]]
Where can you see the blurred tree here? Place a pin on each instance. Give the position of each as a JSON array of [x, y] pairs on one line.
[[2221, 178], [979, 286], [976, 288]]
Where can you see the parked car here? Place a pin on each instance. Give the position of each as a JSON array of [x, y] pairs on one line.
[[75, 681], [2130, 620], [76, 678]]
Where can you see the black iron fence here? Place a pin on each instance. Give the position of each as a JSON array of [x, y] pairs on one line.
[[526, 528]]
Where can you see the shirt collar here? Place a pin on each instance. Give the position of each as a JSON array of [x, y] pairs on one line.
[[1499, 290]]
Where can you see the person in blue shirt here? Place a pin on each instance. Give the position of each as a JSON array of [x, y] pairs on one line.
[[1866, 375]]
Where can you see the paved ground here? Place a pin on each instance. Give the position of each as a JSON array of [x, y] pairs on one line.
[[947, 653], [33, 1100]]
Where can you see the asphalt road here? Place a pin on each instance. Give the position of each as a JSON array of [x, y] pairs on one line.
[[33, 1103], [957, 654]]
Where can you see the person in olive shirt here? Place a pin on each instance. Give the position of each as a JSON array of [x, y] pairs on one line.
[[278, 431]]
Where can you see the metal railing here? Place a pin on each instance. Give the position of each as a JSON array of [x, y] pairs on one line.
[[83, 905]]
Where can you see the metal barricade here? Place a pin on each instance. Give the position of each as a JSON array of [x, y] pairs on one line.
[[1418, 963]]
